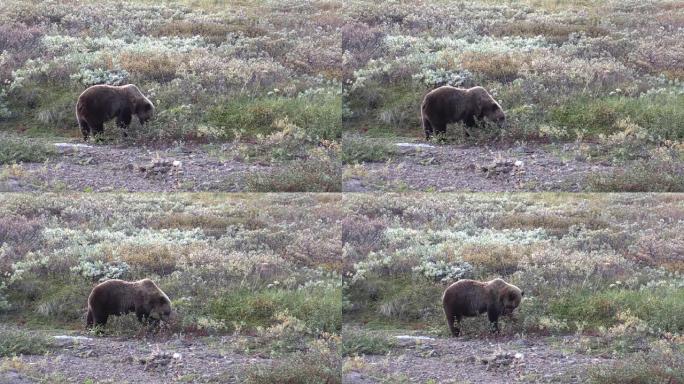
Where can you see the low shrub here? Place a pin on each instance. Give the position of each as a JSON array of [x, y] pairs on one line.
[[658, 307], [320, 309], [319, 116], [314, 175], [557, 33], [320, 365], [500, 67], [659, 114], [640, 176], [159, 67], [659, 366], [365, 343], [15, 342], [21, 150], [356, 149]]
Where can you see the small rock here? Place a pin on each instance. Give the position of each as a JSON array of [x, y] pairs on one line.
[[470, 359], [407, 337], [414, 145], [72, 338], [500, 166], [161, 166], [156, 359]]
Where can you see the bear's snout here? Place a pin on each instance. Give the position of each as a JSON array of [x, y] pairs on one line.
[[500, 118]]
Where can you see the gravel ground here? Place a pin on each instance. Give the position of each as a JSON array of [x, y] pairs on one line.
[[84, 359], [103, 168], [471, 360], [420, 167]]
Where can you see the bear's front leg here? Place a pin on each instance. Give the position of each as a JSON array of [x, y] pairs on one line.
[[123, 120], [493, 315]]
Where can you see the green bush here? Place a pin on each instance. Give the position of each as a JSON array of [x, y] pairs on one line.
[[364, 343], [313, 367], [15, 342], [319, 116], [397, 300], [65, 302], [661, 115], [356, 149], [643, 368], [315, 175], [15, 150], [320, 309], [641, 176], [660, 308]]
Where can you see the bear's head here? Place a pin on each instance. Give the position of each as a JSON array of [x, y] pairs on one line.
[[511, 298], [494, 113], [144, 110], [142, 106], [156, 304], [486, 107], [160, 308]]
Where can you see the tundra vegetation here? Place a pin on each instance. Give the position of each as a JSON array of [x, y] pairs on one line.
[[263, 77], [261, 272], [600, 81], [602, 275]]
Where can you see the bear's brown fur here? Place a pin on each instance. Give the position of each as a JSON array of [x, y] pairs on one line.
[[101, 103], [468, 298], [118, 297], [447, 104]]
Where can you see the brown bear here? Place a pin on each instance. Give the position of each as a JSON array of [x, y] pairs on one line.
[[468, 298], [101, 103], [447, 104], [118, 297]]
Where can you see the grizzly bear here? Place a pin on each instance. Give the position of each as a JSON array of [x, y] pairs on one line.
[[447, 104], [101, 103], [118, 297], [469, 298]]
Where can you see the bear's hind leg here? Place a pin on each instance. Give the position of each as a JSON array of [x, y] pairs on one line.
[[89, 319], [85, 129], [455, 330], [427, 127]]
